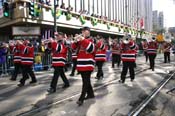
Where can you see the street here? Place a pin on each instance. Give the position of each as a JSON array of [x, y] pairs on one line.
[[112, 98]]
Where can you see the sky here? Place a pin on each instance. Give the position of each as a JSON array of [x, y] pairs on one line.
[[168, 7]]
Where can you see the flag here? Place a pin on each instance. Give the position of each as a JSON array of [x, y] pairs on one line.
[[142, 23], [135, 24]]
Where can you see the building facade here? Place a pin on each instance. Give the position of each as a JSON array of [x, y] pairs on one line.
[[130, 12], [121, 16], [158, 21], [161, 20]]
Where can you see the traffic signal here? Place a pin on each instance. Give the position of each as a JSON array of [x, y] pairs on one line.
[[31, 9], [6, 9], [37, 10]]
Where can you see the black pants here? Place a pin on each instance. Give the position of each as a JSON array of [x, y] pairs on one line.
[[100, 70], [26, 71], [116, 58], [166, 57], [74, 66], [146, 55], [16, 70], [58, 71], [152, 60], [126, 66], [86, 88]]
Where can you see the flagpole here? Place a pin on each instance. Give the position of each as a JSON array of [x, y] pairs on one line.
[[55, 25], [137, 19]]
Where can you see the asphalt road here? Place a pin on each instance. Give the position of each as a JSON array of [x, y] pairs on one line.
[[112, 98]]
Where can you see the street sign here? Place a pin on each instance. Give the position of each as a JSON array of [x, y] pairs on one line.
[[25, 31]]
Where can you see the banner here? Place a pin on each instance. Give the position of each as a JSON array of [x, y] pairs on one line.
[[26, 31]]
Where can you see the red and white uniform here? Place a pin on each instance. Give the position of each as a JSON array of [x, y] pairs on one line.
[[100, 52], [59, 53], [166, 47], [145, 46], [27, 55], [85, 56], [16, 53], [152, 47], [74, 53], [116, 48], [128, 52]]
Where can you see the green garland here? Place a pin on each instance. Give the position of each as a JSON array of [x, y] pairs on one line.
[[94, 21], [82, 20], [58, 13], [69, 16]]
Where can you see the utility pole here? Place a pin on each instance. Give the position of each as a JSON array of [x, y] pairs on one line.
[[137, 17], [126, 13], [55, 21]]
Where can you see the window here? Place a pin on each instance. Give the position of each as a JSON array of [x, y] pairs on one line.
[[78, 4]]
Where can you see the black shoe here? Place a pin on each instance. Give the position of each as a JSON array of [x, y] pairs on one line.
[[121, 81], [97, 78], [65, 86], [132, 80], [71, 74], [32, 82], [12, 79], [78, 73], [79, 103], [51, 90], [89, 97], [20, 85], [152, 69]]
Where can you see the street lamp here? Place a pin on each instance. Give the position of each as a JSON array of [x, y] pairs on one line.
[[55, 23]]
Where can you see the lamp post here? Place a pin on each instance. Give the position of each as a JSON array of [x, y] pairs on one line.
[[126, 13], [137, 19], [55, 23]]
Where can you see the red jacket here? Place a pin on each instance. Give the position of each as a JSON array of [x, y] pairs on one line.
[[116, 48], [166, 47], [85, 56], [128, 52], [152, 47], [74, 53], [59, 53], [100, 52], [27, 57], [145, 46], [16, 53]]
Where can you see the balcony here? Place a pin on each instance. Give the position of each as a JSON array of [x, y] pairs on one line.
[[74, 20]]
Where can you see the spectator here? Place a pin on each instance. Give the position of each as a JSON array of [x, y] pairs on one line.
[[63, 6], [69, 8], [3, 52]]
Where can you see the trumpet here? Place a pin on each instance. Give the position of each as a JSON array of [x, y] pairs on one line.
[[78, 38]]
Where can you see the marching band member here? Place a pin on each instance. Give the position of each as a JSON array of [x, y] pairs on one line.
[[166, 50], [27, 60], [100, 57], [59, 52], [74, 59], [152, 52], [128, 56], [116, 53], [15, 49], [85, 63], [145, 47]]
